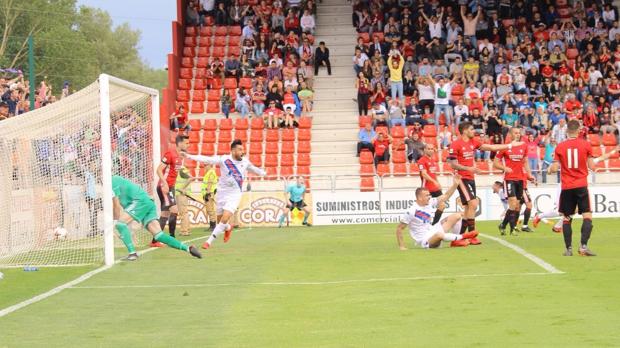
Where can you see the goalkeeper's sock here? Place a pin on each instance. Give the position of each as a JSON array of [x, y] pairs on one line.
[[437, 216], [125, 234], [526, 216], [219, 230], [172, 224], [281, 220], [170, 241], [451, 237]]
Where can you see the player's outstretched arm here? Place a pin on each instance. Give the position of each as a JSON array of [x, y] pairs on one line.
[[446, 196], [399, 236], [500, 147], [593, 161], [497, 164], [213, 160], [254, 169]]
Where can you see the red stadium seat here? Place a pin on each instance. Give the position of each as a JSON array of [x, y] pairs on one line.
[[286, 171], [399, 157], [367, 183], [218, 52], [367, 169], [195, 124], [204, 41], [230, 83], [185, 73], [198, 107], [203, 51], [414, 169], [245, 82], [210, 124], [234, 41], [221, 31], [202, 62], [241, 134], [398, 132], [200, 84], [271, 160], [234, 30], [364, 120], [608, 149], [288, 134], [213, 107], [207, 149], [201, 73], [366, 157], [400, 169], [600, 166], [287, 160], [234, 51], [430, 140], [214, 95], [303, 147], [191, 31], [483, 166], [383, 169], [256, 135], [187, 62], [304, 135], [224, 136], [256, 148], [305, 122], [206, 31], [194, 137], [614, 164], [185, 84], [380, 35], [208, 136], [364, 36], [189, 52], [256, 159], [303, 170], [190, 164], [190, 41], [226, 124], [596, 151], [429, 131], [446, 169], [303, 159], [223, 148], [182, 95], [287, 147], [381, 129], [594, 139], [609, 139], [258, 123], [241, 123], [192, 149], [220, 41], [272, 147], [273, 135], [272, 173], [199, 95]]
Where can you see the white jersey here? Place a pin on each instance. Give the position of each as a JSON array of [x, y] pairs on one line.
[[233, 172], [503, 197], [420, 219]]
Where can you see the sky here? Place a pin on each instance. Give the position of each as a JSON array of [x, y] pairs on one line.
[[152, 17]]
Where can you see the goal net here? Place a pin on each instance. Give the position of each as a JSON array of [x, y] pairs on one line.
[[55, 173]]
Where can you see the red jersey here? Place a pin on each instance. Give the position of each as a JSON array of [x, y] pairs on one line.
[[381, 147], [514, 159], [173, 164], [428, 164], [463, 152], [573, 156]]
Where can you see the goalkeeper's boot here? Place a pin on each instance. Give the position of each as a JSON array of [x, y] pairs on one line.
[[584, 251], [502, 229], [470, 235], [194, 252], [206, 245], [568, 252], [132, 257], [526, 229], [155, 244], [228, 233], [460, 243], [536, 221]]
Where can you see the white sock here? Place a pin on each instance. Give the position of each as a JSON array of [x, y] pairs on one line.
[[218, 230], [549, 214], [558, 224], [450, 237]]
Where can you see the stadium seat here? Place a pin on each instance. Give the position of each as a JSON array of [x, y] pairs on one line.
[[202, 62], [206, 31], [203, 51], [220, 41], [272, 173], [257, 123], [185, 73], [304, 135], [204, 41], [271, 147], [187, 62], [367, 183], [256, 148], [241, 134], [594, 139], [207, 149], [399, 169], [609, 139], [213, 107], [364, 36], [191, 31], [208, 136], [368, 169], [185, 84], [221, 31], [483, 166], [210, 124], [195, 124], [399, 157], [218, 52], [182, 95], [217, 84], [198, 107], [600, 166], [226, 124], [303, 159], [189, 164], [288, 134], [224, 135], [245, 82], [414, 169], [608, 149], [271, 160], [379, 35], [383, 169], [429, 131], [214, 95], [287, 147], [614, 164], [305, 122], [303, 170], [189, 52], [192, 149], [189, 41], [223, 148], [287, 160], [381, 129], [234, 41], [398, 132], [446, 169], [230, 83], [234, 51], [194, 137], [366, 157], [256, 135], [273, 135], [199, 95], [234, 30], [201, 73], [363, 120], [286, 171], [200, 84], [241, 123], [256, 159], [596, 151], [303, 147], [430, 140]]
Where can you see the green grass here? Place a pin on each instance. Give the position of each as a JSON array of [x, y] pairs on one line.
[[231, 305]]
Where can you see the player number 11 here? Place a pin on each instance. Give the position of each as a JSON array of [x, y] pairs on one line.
[[572, 159]]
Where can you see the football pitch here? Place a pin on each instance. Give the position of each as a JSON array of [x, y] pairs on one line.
[[336, 286]]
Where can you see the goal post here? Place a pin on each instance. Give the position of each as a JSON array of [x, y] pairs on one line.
[[56, 167]]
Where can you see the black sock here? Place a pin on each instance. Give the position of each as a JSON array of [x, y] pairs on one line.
[[163, 220], [586, 230], [471, 224], [514, 216], [463, 226], [567, 230], [172, 224], [507, 218], [526, 216], [437, 216]]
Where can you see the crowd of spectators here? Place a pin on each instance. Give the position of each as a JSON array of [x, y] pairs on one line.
[[277, 50], [497, 64]]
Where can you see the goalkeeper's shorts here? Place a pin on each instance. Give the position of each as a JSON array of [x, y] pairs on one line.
[[142, 210]]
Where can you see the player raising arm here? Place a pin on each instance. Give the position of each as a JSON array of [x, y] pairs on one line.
[[132, 203], [461, 159], [229, 187], [419, 219], [574, 156]]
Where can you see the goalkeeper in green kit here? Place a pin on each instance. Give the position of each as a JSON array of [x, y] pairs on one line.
[[132, 203]]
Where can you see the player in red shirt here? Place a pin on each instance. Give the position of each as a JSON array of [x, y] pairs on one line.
[[461, 159], [167, 173], [574, 157], [515, 167], [428, 175]]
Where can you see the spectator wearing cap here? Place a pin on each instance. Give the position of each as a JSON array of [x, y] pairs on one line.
[[382, 148], [366, 137]]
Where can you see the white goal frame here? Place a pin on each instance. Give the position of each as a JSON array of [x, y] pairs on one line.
[[106, 151]]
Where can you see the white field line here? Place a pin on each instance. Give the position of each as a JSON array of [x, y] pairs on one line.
[[537, 260], [333, 282], [82, 278]]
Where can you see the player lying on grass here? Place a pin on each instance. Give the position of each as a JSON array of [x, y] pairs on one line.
[[552, 213], [229, 187], [419, 220], [132, 203], [498, 188], [296, 192]]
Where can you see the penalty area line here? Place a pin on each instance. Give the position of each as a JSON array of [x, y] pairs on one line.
[[537, 260], [74, 282], [303, 283]]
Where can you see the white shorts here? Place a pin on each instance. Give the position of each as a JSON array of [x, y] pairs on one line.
[[227, 201], [424, 241]]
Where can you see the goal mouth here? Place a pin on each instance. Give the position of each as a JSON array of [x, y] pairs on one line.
[[56, 165]]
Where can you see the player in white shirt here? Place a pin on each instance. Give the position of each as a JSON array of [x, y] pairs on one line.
[[233, 169], [557, 228], [419, 220]]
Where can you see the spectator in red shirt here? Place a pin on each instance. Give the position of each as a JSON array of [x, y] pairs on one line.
[[272, 115], [179, 120], [382, 148]]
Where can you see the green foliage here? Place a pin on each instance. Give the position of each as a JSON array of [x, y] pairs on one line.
[[72, 43]]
